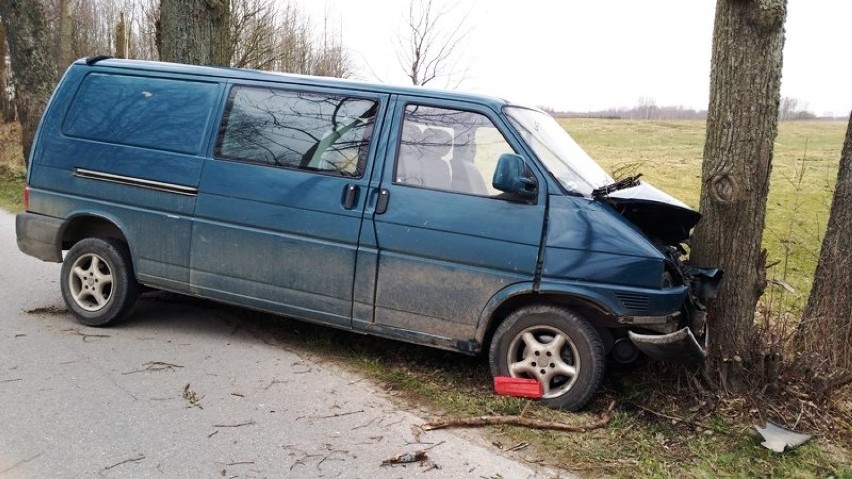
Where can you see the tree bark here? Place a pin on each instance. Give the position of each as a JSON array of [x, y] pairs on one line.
[[64, 56], [742, 123], [194, 31], [34, 68], [122, 39], [826, 327]]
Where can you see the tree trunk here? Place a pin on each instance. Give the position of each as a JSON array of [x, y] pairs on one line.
[[826, 328], [122, 39], [195, 31], [742, 123], [33, 67], [64, 56]]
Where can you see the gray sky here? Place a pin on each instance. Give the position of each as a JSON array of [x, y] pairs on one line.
[[586, 55]]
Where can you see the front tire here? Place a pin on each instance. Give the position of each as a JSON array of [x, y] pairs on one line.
[[97, 281], [555, 346]]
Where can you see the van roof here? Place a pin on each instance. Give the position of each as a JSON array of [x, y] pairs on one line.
[[246, 74]]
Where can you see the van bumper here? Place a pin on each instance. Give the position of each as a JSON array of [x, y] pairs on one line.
[[679, 346], [38, 236]]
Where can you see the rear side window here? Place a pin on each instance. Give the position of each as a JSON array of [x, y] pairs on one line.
[[156, 113], [307, 131]]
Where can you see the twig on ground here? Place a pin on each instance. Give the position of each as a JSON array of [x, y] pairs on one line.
[[250, 422], [155, 366], [681, 419], [521, 421], [132, 459], [85, 336], [338, 414]]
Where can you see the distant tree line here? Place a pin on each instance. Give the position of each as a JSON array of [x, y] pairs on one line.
[[646, 109]]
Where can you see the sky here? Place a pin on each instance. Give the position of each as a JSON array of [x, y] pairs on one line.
[[583, 55]]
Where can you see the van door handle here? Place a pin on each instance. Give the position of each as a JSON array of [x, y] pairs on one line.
[[382, 202], [350, 196]]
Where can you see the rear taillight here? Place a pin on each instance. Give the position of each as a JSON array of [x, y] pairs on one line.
[[26, 198]]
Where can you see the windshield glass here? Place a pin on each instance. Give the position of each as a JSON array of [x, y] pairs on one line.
[[561, 155]]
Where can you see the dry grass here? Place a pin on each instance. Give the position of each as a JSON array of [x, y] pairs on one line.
[[12, 171]]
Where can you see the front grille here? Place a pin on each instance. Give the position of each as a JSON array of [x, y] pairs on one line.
[[634, 303]]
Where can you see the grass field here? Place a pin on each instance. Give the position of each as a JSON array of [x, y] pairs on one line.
[[642, 440]]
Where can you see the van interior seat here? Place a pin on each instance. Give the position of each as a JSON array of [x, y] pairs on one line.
[[466, 176], [410, 150], [437, 143]]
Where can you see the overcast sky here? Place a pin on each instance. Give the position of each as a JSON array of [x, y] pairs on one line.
[[586, 55]]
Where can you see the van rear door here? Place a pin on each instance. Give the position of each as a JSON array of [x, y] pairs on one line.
[[129, 150], [280, 205], [446, 241]]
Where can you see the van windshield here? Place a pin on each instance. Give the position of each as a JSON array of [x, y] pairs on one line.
[[575, 170]]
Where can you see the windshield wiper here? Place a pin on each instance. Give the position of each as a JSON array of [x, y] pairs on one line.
[[621, 184]]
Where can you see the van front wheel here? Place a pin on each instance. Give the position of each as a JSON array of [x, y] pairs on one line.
[[97, 281], [554, 346]]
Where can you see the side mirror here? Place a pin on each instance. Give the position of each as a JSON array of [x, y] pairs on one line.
[[511, 177]]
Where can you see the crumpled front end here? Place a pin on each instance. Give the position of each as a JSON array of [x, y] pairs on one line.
[[689, 342], [667, 222]]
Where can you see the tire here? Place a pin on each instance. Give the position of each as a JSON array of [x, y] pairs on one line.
[[575, 353], [97, 281]]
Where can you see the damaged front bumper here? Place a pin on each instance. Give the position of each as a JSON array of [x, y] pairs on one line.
[[681, 346]]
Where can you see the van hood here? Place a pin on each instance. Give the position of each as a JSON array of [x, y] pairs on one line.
[[659, 215]]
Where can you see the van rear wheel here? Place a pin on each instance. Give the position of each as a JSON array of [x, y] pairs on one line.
[[97, 281], [554, 346]]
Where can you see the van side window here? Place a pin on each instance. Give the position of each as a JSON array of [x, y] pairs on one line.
[[290, 129], [452, 150], [157, 113]]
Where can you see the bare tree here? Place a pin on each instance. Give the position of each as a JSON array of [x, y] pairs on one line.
[[293, 42], [826, 328], [195, 31], [430, 47], [254, 25], [330, 58], [32, 63], [742, 123]]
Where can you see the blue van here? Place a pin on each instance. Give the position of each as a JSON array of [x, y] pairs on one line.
[[456, 221]]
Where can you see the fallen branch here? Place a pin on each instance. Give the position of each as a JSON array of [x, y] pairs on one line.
[[521, 421]]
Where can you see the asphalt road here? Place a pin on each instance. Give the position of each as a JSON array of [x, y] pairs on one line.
[[183, 389]]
